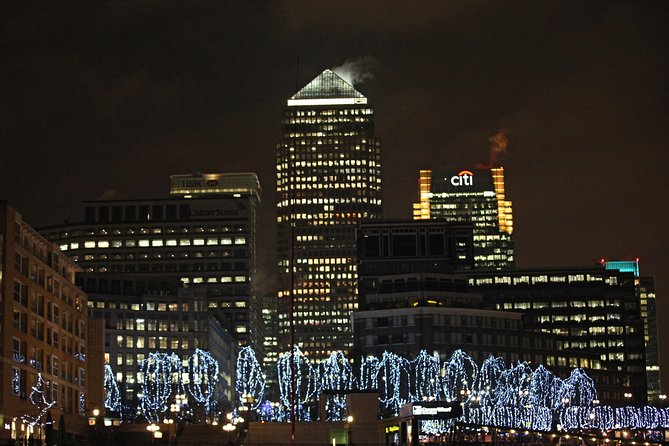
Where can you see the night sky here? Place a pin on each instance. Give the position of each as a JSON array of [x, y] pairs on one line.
[[109, 100]]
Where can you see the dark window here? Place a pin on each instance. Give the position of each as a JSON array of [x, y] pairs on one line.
[[184, 212], [171, 212], [404, 245], [383, 322], [437, 244], [130, 213], [89, 214], [371, 246], [103, 213], [117, 213], [157, 212], [144, 213]]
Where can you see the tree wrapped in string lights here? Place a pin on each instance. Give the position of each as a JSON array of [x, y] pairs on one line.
[[393, 378], [336, 377], [461, 373], [158, 370], [250, 382], [40, 398], [202, 377], [426, 371], [367, 378], [306, 384], [112, 397]]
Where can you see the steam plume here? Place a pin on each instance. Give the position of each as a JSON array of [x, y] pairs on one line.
[[498, 145], [356, 71]]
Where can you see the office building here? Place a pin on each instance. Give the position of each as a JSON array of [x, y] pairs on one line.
[[477, 197], [44, 329], [328, 180], [176, 321], [645, 290], [204, 235], [408, 263], [271, 345], [414, 295], [593, 310]]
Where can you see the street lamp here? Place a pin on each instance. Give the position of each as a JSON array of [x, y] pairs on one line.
[[155, 432], [349, 422]]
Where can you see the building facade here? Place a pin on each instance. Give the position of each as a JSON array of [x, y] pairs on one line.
[[328, 180], [204, 236], [477, 197], [645, 290], [270, 321], [419, 290], [177, 322], [592, 310], [44, 329]]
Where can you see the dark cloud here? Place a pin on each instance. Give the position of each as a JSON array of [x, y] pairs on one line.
[[121, 95]]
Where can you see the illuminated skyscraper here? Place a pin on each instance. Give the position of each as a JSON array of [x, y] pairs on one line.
[[477, 197], [328, 180], [645, 291]]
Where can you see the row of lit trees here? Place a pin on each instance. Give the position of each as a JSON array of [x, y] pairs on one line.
[[493, 394]]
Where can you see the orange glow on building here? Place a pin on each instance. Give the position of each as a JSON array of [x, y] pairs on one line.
[[504, 207], [421, 210]]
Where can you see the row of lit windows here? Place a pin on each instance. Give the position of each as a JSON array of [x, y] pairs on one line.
[[318, 120], [327, 183], [580, 318], [153, 230], [337, 163], [161, 342], [133, 255], [143, 243], [303, 182], [326, 218], [615, 303], [320, 200], [572, 278], [333, 112], [212, 279]]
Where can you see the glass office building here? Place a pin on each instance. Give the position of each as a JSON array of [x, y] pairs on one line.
[[476, 197], [645, 291], [328, 180]]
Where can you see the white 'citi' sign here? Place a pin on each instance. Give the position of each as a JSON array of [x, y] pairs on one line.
[[464, 178]]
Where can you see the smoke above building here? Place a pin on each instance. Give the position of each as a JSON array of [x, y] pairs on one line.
[[498, 146], [357, 70]]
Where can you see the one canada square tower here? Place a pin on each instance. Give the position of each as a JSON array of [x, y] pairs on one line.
[[328, 180]]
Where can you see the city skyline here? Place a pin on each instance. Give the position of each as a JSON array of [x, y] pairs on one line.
[[93, 97]]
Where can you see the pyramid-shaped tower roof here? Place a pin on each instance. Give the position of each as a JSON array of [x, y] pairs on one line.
[[327, 89]]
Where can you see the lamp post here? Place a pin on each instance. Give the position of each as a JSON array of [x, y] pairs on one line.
[[155, 432], [349, 433]]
